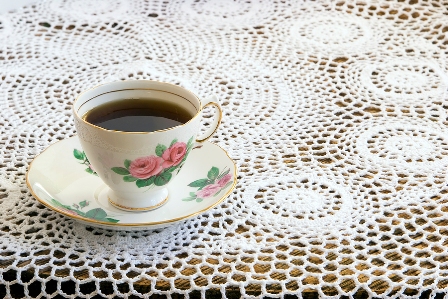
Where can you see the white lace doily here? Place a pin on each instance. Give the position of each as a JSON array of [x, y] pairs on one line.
[[334, 111]]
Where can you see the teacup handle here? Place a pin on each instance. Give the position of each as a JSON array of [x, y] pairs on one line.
[[213, 101]]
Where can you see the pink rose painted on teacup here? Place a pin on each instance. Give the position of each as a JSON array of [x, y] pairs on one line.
[[158, 169], [174, 154], [146, 167]]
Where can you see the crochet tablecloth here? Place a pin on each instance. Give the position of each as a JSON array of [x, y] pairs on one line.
[[334, 111]]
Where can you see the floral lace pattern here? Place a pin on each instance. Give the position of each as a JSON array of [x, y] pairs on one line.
[[335, 112]]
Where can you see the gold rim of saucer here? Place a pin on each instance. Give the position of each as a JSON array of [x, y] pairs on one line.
[[144, 209]]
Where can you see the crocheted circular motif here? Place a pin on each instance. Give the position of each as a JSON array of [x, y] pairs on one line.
[[306, 202], [404, 145], [218, 13], [99, 9]]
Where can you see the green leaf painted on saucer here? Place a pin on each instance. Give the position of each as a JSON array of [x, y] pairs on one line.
[[81, 156], [189, 199], [78, 154], [199, 183], [74, 210], [75, 197], [223, 174], [211, 186], [112, 220], [98, 214], [213, 173], [83, 203], [127, 163]]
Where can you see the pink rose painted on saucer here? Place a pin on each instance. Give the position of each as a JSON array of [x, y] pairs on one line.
[[208, 191], [224, 180], [157, 169], [215, 183]]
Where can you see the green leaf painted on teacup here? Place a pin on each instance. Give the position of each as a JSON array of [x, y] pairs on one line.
[[160, 149], [97, 214], [129, 178], [89, 170], [155, 163], [144, 182], [141, 183], [163, 178], [78, 154], [190, 143], [213, 173], [120, 170], [173, 142], [171, 169]]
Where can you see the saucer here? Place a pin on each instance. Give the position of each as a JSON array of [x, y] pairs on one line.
[[61, 179]]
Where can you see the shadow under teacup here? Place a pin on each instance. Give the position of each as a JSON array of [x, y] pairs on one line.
[[137, 166]]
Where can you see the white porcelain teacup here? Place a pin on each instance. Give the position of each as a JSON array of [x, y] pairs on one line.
[[138, 166]]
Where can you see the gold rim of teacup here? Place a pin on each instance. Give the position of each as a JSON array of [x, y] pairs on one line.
[[198, 113]]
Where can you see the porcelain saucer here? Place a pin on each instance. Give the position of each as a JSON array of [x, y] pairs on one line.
[[61, 179]]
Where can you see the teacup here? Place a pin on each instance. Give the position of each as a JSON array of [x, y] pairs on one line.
[[138, 166]]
